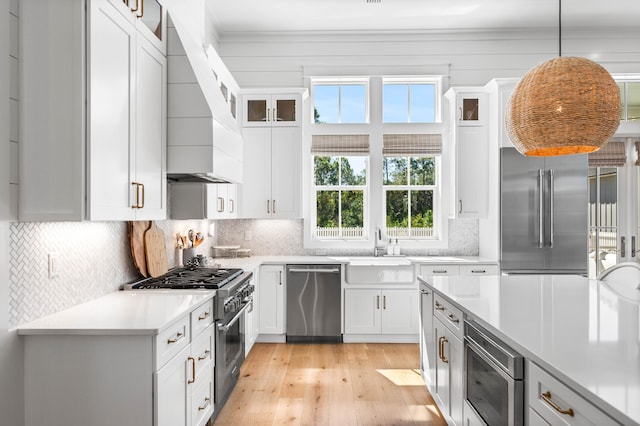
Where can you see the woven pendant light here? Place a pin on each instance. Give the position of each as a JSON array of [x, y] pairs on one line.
[[563, 106]]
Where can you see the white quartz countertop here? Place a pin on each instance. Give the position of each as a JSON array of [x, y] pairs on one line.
[[577, 329], [121, 312]]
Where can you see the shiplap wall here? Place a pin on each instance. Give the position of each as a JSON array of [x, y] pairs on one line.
[[472, 57]]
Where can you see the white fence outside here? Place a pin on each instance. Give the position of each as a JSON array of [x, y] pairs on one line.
[[358, 232]]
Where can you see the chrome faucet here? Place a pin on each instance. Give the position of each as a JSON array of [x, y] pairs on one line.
[[379, 249]]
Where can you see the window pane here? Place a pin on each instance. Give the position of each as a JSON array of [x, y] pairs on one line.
[[423, 171], [353, 103], [421, 210], [326, 170], [395, 103], [422, 107], [633, 101], [325, 98], [394, 171], [352, 210], [397, 209], [327, 209], [354, 170]]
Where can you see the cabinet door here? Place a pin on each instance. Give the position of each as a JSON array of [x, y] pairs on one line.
[[232, 201], [400, 312], [150, 140], [441, 394], [256, 183], [257, 110], [110, 116], [172, 399], [216, 199], [285, 110], [271, 293], [362, 311], [427, 338], [454, 354], [472, 174], [285, 172], [471, 109]]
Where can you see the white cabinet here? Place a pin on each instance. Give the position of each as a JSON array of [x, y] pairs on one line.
[[449, 371], [272, 174], [552, 402], [271, 299], [267, 110], [470, 137], [427, 338], [252, 324], [446, 269], [148, 16], [203, 201], [373, 311], [93, 113]]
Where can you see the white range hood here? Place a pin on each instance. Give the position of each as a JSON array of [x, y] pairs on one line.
[[204, 143]]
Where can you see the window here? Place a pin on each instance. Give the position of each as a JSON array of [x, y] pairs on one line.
[[410, 184], [630, 100], [410, 101], [340, 173], [341, 101]]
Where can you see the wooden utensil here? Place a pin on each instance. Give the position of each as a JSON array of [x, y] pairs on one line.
[[156, 251], [136, 231]]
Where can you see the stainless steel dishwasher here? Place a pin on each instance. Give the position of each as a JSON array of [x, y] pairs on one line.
[[314, 303]]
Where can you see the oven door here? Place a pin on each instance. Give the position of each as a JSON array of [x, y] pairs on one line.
[[229, 354], [496, 397]]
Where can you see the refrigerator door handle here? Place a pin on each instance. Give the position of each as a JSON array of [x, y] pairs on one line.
[[633, 247], [551, 213], [540, 209], [623, 247]]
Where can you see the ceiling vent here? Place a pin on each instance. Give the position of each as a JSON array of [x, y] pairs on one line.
[[374, 1]]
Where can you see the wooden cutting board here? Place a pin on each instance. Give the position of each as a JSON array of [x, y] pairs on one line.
[[136, 239], [156, 251]]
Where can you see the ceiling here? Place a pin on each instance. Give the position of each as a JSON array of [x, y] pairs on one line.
[[415, 15]]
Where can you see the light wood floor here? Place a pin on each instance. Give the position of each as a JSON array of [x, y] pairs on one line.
[[330, 384]]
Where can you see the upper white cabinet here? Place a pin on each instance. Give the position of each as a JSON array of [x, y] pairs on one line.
[[148, 16], [470, 137], [92, 115], [203, 201], [266, 110], [272, 173]]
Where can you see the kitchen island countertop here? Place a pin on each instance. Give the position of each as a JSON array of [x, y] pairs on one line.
[[146, 312], [578, 329]]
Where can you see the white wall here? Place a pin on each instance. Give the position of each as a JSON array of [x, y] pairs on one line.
[[473, 58], [11, 352]]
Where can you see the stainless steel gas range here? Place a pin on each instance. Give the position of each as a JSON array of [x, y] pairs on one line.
[[234, 289]]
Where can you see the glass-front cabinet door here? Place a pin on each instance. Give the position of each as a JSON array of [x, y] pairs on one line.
[[149, 18], [471, 109]]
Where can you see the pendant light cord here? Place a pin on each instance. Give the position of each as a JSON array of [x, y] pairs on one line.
[[559, 28]]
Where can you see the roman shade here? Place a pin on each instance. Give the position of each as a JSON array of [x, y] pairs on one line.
[[411, 145], [340, 145], [610, 155]]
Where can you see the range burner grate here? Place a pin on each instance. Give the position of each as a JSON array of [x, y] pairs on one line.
[[191, 278]]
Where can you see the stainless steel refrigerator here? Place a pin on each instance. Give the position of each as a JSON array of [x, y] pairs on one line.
[[543, 213]]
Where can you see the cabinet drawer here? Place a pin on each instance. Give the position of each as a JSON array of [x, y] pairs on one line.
[[202, 350], [434, 270], [478, 269], [171, 341], [202, 401], [542, 385], [450, 316], [201, 318]]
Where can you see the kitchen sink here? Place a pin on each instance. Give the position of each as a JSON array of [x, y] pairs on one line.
[[379, 270]]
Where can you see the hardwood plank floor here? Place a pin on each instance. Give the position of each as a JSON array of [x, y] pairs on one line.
[[330, 384]]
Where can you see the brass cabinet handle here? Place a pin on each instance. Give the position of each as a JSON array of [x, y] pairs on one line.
[[205, 355], [441, 348], [546, 397], [204, 316], [440, 271], [453, 318], [142, 186], [444, 359], [220, 204], [179, 336], [439, 307], [135, 9], [193, 370], [207, 401], [141, 10]]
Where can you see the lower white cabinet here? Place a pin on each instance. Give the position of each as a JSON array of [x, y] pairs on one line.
[[374, 311], [271, 297], [251, 323], [551, 402], [449, 378], [427, 338], [115, 378], [452, 269], [471, 418]]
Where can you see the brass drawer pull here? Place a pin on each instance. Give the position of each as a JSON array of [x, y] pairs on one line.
[[204, 316], [440, 271], [453, 318], [205, 355], [193, 370], [444, 359], [439, 307], [546, 397], [207, 401], [179, 336]]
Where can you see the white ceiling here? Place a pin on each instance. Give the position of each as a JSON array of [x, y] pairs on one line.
[[416, 15]]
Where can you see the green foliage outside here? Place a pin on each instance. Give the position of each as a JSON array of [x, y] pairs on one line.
[[409, 171]]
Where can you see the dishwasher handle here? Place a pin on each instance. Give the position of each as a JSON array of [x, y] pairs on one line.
[[321, 271]]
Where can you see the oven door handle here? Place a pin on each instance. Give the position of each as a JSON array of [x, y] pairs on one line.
[[479, 350], [227, 326]]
